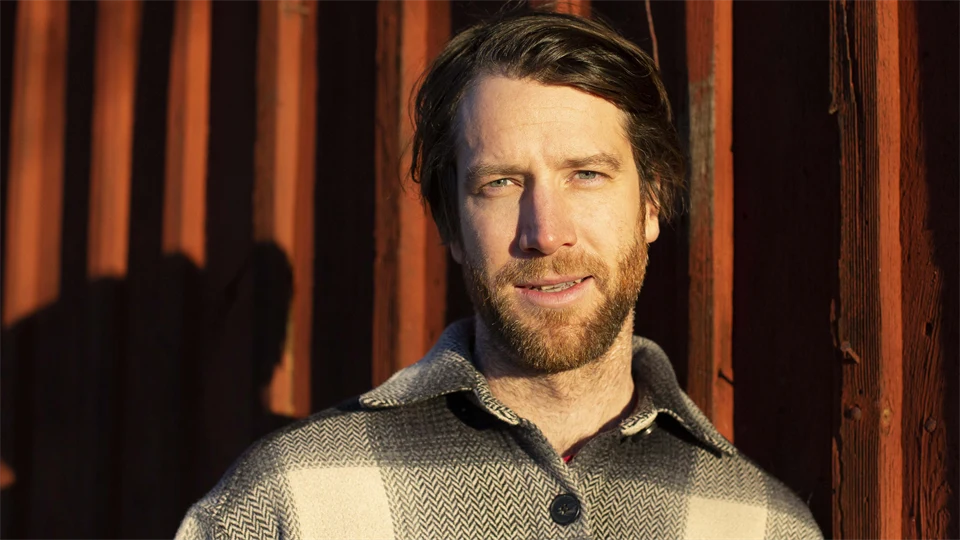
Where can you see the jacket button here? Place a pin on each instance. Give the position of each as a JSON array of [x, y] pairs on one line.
[[565, 509]]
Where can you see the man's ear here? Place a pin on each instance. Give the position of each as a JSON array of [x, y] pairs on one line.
[[456, 251], [652, 223]]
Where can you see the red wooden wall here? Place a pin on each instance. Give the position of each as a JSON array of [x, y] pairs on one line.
[[206, 233]]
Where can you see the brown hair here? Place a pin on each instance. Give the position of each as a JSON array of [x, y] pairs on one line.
[[554, 49]]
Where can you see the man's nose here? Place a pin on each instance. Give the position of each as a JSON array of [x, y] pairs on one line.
[[545, 222]]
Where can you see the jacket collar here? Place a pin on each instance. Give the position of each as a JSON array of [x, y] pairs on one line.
[[448, 368]]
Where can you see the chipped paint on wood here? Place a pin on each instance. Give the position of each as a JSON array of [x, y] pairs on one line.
[[868, 468]]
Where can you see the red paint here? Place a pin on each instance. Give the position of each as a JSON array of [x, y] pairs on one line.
[[187, 129], [710, 71], [928, 90], [118, 34], [868, 469], [35, 189], [410, 272], [283, 211]]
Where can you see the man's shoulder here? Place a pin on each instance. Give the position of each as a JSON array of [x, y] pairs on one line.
[[733, 485], [256, 496], [338, 435], [334, 436], [788, 516]]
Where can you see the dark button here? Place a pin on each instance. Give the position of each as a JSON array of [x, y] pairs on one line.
[[565, 509]]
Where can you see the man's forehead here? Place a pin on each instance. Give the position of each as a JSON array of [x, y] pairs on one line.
[[501, 117], [499, 100]]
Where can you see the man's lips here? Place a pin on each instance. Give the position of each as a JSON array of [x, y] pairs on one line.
[[555, 293], [550, 282]]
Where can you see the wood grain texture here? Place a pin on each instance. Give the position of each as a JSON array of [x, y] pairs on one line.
[[35, 173], [286, 127], [928, 203], [410, 267], [188, 119], [710, 68], [868, 468], [118, 31]]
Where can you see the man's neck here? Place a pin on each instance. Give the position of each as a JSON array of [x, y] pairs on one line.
[[570, 407]]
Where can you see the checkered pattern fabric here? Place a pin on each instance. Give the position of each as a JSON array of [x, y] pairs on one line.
[[431, 453]]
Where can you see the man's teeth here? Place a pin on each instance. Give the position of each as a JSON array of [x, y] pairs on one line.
[[558, 287]]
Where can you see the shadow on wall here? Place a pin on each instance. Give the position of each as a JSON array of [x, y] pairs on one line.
[[786, 244], [125, 401]]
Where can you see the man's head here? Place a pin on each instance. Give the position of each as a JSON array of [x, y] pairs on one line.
[[545, 151]]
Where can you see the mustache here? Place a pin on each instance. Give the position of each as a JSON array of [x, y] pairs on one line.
[[579, 264]]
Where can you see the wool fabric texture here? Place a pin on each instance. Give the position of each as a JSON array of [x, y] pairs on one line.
[[431, 453]]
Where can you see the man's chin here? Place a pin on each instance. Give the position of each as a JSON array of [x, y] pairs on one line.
[[579, 314], [549, 346], [557, 336]]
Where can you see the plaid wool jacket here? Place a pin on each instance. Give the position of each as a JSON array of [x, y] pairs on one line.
[[431, 453]]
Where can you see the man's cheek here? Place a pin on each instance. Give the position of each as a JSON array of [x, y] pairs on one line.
[[485, 241]]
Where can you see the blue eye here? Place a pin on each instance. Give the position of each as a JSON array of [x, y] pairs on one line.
[[586, 175], [502, 182]]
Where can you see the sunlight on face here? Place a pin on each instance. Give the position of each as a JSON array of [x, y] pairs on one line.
[[554, 235]]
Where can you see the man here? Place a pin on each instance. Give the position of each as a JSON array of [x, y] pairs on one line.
[[545, 152]]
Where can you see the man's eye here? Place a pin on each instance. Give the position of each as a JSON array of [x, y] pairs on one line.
[[586, 175], [502, 182]]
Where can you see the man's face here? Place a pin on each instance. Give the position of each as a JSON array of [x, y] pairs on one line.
[[554, 235]]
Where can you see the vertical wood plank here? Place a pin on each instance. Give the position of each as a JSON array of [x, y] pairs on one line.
[[710, 70], [187, 131], [35, 188], [573, 7], [786, 232], [150, 340], [345, 215], [179, 306], [32, 257], [889, 271], [118, 30], [286, 126], [116, 59], [303, 274], [410, 271], [929, 115], [868, 461]]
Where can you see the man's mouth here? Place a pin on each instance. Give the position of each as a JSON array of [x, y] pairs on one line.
[[556, 287]]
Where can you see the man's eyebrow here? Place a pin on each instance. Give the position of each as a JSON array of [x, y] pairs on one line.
[[603, 159], [481, 170]]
